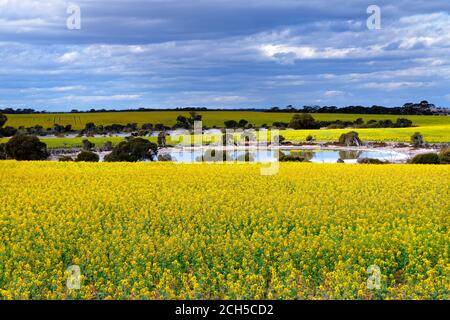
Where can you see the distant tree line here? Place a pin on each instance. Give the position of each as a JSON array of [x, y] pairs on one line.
[[421, 108]]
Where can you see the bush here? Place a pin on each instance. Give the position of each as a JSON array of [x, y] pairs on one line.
[[3, 155], [231, 124], [87, 156], [65, 159], [165, 158], [26, 148], [310, 138], [133, 150], [417, 140], [444, 156], [303, 121], [242, 123], [426, 158], [370, 161], [350, 139], [87, 145], [295, 157], [3, 119], [107, 146]]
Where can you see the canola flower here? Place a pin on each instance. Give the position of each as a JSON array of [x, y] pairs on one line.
[[208, 231]]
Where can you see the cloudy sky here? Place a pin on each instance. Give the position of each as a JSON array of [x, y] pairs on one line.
[[222, 53]]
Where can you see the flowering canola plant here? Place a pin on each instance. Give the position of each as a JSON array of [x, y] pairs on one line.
[[209, 231]]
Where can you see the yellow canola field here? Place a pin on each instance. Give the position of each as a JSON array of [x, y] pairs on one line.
[[203, 231]]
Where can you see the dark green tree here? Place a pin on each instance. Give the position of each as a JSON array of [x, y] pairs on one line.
[[3, 119], [87, 156], [87, 145], [133, 150], [302, 121], [22, 147]]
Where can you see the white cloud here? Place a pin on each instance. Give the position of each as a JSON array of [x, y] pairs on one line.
[[391, 86], [229, 99], [334, 93], [68, 57]]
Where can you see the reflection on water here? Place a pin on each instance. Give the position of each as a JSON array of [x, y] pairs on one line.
[[267, 156]]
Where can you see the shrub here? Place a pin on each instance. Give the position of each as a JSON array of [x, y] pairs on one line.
[[242, 123], [310, 138], [295, 157], [65, 159], [426, 158], [403, 123], [370, 161], [133, 150], [3, 119], [280, 124], [7, 131], [3, 155], [350, 139], [107, 146], [417, 140], [162, 139], [87, 145], [444, 156], [87, 156], [23, 147], [302, 121], [165, 157], [231, 124]]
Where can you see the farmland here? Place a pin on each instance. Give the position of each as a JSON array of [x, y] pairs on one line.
[[210, 118], [199, 231], [436, 129]]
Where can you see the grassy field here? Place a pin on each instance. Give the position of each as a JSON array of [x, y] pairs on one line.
[[432, 134], [199, 231], [436, 129], [210, 118]]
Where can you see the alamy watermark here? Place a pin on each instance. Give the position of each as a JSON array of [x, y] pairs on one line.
[[374, 19], [74, 277], [374, 279], [73, 21]]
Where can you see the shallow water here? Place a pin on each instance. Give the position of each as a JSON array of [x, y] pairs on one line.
[[267, 156]]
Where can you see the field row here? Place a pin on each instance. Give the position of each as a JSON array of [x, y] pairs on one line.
[[432, 134], [210, 118], [161, 230]]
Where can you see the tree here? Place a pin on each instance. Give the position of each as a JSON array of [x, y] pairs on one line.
[[65, 159], [90, 127], [162, 139], [417, 140], [350, 139], [302, 121], [403, 123], [147, 126], [242, 123], [3, 155], [3, 119], [194, 117], [182, 122], [231, 124], [359, 121], [87, 156], [23, 147], [132, 150], [87, 145], [426, 158], [444, 156], [107, 146]]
